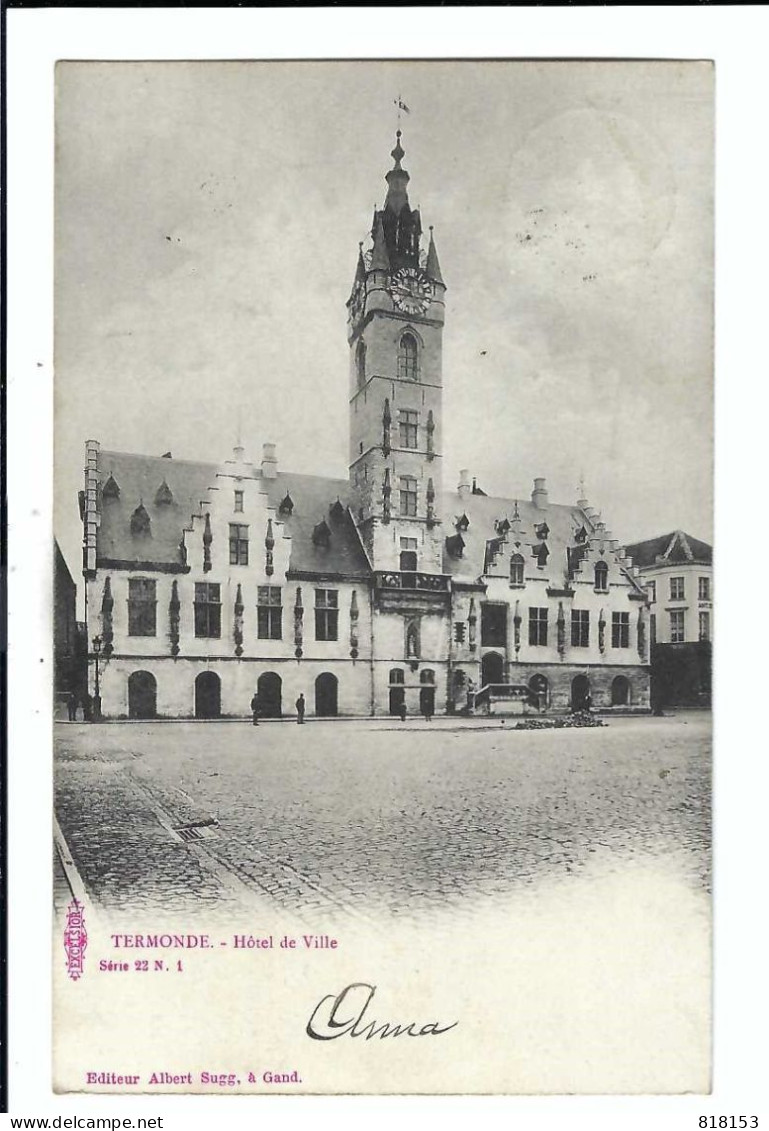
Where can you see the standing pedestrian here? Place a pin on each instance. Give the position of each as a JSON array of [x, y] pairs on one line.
[[255, 709], [402, 710], [72, 706], [300, 708]]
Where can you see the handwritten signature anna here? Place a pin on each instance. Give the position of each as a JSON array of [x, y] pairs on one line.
[[331, 1018]]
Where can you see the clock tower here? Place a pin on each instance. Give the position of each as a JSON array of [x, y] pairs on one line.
[[395, 329]]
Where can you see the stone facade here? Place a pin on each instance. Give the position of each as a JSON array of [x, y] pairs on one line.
[[207, 583]]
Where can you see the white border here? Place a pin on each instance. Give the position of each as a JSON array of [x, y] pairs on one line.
[[736, 38]]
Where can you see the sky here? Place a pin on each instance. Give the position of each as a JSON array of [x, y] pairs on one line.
[[207, 225]]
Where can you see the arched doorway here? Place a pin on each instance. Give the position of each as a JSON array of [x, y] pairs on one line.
[[620, 691], [539, 690], [580, 693], [492, 669], [269, 686], [326, 695], [142, 695], [208, 696]]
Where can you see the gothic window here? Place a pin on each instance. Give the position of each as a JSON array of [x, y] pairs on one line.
[[459, 632], [408, 489], [516, 570], [407, 358], [326, 614], [601, 577], [580, 628], [269, 611], [208, 609], [493, 625], [409, 422], [141, 607], [360, 363], [238, 544], [620, 630], [238, 502], [538, 626]]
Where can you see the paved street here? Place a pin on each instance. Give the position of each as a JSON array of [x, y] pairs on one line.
[[374, 817]]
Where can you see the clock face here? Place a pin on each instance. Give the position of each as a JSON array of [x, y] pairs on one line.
[[410, 289]]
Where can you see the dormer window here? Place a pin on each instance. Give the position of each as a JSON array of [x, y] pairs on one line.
[[140, 523], [407, 358], [321, 535], [516, 570], [286, 505], [601, 577], [110, 490], [163, 495]]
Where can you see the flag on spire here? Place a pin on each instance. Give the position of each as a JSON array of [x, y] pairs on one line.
[[401, 105]]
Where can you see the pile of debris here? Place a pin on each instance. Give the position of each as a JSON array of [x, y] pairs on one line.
[[578, 719]]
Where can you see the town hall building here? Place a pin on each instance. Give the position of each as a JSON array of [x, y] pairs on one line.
[[386, 590]]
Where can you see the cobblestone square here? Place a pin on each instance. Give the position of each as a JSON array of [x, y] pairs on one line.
[[373, 817]]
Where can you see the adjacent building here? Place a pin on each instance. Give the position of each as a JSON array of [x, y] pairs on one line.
[[677, 571], [385, 590]]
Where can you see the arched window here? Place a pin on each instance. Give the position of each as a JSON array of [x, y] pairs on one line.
[[427, 676], [407, 358], [396, 675], [516, 570], [601, 577], [360, 363]]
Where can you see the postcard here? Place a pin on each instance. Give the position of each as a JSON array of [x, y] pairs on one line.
[[383, 577]]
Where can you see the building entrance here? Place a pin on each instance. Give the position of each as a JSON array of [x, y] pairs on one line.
[[208, 696]]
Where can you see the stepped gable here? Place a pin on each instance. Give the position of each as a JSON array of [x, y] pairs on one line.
[[484, 510], [188, 481], [676, 548]]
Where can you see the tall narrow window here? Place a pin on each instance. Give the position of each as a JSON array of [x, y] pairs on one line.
[[677, 626], [408, 489], [409, 422], [620, 630], [580, 628], [653, 629], [676, 589], [326, 614], [238, 544], [239, 502], [516, 570], [704, 589], [601, 577], [269, 612], [407, 358], [651, 591], [141, 607], [538, 626], [705, 626], [408, 557], [360, 362], [208, 609]]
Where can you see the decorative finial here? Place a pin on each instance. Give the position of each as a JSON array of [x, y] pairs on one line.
[[398, 153]]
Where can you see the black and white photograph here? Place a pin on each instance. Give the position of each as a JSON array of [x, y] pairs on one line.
[[383, 576]]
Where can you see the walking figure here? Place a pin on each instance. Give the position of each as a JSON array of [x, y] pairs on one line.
[[300, 708], [255, 709]]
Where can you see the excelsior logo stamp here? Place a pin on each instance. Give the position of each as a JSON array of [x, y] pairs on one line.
[[75, 939]]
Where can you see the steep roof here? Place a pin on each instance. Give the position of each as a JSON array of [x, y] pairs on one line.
[[676, 548], [139, 479], [484, 510]]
